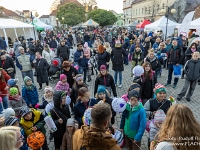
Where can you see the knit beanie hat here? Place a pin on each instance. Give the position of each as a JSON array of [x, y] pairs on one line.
[[55, 63], [71, 122], [101, 89], [159, 88], [62, 77], [13, 91], [138, 71], [26, 79], [103, 67], [12, 82], [8, 112], [159, 116], [24, 110], [10, 121], [133, 93]]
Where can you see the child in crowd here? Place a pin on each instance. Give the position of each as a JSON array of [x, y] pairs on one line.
[[29, 92], [13, 121], [13, 83], [156, 123], [68, 136], [133, 122], [137, 57], [63, 85], [103, 96], [33, 120], [8, 112], [16, 102]]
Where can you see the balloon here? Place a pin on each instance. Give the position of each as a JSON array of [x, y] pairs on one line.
[[118, 105], [87, 116], [68, 100]]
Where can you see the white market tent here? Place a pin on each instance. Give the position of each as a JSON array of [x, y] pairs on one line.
[[13, 29], [39, 24], [160, 24]]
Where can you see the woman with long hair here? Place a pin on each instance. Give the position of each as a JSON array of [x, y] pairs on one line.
[[147, 82], [179, 131]]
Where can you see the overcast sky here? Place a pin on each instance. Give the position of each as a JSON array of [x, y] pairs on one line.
[[43, 6]]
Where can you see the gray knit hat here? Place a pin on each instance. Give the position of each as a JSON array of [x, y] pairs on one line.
[[10, 121], [71, 122], [24, 110]]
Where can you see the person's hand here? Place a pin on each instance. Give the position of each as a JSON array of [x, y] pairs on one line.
[[30, 105], [177, 64], [34, 128], [6, 88], [60, 121]]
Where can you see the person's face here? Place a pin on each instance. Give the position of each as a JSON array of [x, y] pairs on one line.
[[193, 46], [158, 124], [67, 69], [151, 55], [157, 40], [80, 47], [62, 43], [162, 46], [29, 82], [161, 95], [63, 100], [102, 95], [28, 116], [22, 51], [49, 93], [174, 43], [80, 82], [3, 57], [137, 49], [103, 72], [70, 129], [133, 101], [64, 80], [195, 56], [37, 56], [19, 140], [147, 68], [16, 124], [86, 97]]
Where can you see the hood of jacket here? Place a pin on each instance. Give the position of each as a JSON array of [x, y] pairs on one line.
[[57, 99], [95, 139]]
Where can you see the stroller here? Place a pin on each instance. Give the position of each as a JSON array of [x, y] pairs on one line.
[[55, 69]]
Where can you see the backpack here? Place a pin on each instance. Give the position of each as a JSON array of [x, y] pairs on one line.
[[108, 57]]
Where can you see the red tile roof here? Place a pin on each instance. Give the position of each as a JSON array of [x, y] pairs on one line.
[[8, 12]]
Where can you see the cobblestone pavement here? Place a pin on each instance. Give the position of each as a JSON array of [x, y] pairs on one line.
[[194, 104]]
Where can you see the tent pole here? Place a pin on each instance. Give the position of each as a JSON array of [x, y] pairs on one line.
[[31, 32], [15, 33], [6, 38], [24, 33]]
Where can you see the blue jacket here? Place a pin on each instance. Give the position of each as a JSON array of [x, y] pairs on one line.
[[18, 64], [180, 41], [30, 96], [126, 44], [53, 44], [79, 109], [1, 43], [168, 47], [82, 62], [134, 122], [155, 46]]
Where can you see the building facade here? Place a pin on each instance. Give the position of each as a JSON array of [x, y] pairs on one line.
[[127, 11], [45, 19]]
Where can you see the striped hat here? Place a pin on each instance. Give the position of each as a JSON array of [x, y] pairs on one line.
[[159, 88], [10, 121], [24, 110], [159, 116]]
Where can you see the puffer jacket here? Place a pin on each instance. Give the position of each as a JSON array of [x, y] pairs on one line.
[[30, 96], [118, 56], [63, 52], [67, 141], [175, 55], [192, 70], [90, 138]]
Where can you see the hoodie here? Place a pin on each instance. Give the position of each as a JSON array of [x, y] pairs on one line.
[[90, 138]]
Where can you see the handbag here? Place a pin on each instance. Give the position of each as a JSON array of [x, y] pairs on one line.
[[36, 140], [177, 71], [10, 70]]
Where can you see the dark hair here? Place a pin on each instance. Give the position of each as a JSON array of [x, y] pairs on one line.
[[66, 64], [147, 75], [193, 44], [2, 78], [100, 113], [81, 92]]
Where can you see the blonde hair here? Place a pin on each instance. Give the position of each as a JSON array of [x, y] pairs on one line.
[[180, 122], [8, 137], [163, 44], [151, 51]]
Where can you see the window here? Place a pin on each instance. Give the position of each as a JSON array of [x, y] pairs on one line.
[[163, 6], [142, 10], [139, 12], [145, 10], [136, 12], [149, 10]]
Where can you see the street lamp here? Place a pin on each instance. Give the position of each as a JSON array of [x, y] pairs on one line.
[[63, 21], [167, 16], [31, 16], [57, 22]]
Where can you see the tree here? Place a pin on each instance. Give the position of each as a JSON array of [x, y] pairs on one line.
[[103, 17], [71, 14], [88, 4]]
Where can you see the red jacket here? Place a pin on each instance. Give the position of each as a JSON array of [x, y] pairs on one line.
[[3, 84]]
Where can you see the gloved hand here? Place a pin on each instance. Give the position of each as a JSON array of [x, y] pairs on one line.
[[37, 106]]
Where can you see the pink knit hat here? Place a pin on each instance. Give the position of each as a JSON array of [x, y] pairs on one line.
[[62, 77], [159, 116]]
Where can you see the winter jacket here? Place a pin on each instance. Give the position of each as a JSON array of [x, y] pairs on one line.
[[1, 43], [94, 139], [146, 46], [102, 59], [53, 44], [45, 102], [57, 112], [82, 62], [63, 52], [80, 107], [106, 81], [72, 72], [62, 87], [134, 121], [39, 48], [192, 70], [188, 54], [31, 48], [3, 84], [37, 120], [16, 104], [41, 67], [67, 141], [155, 46], [30, 96], [153, 130], [168, 47], [23, 62], [87, 53], [155, 63], [48, 55], [175, 56], [118, 55], [8, 63]]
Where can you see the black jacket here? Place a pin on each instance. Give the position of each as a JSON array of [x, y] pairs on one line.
[[109, 83], [63, 52], [175, 56], [102, 59], [72, 72], [155, 63], [118, 55], [188, 54], [8, 64], [39, 48], [147, 46], [57, 113], [192, 70]]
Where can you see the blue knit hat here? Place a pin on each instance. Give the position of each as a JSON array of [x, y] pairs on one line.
[[12, 82], [101, 89]]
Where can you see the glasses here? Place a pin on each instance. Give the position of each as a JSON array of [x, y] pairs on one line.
[[20, 138]]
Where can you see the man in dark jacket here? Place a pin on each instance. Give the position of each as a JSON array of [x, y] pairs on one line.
[[192, 71], [63, 51], [53, 44], [31, 47], [175, 57]]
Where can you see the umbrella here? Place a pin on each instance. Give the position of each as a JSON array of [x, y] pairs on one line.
[[90, 22]]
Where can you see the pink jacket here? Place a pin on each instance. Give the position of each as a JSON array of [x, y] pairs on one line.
[[63, 87]]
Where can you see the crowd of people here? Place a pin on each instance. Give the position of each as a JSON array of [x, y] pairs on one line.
[[69, 100]]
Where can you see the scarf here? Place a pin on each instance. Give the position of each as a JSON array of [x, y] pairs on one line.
[[48, 99], [174, 47], [30, 87], [17, 98], [193, 50]]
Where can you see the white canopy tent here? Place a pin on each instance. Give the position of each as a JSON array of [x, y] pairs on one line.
[[160, 24], [41, 24], [13, 29]]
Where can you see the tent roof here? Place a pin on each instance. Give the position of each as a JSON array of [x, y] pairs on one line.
[[90, 22], [40, 24], [195, 24], [161, 23], [143, 24], [11, 23]]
